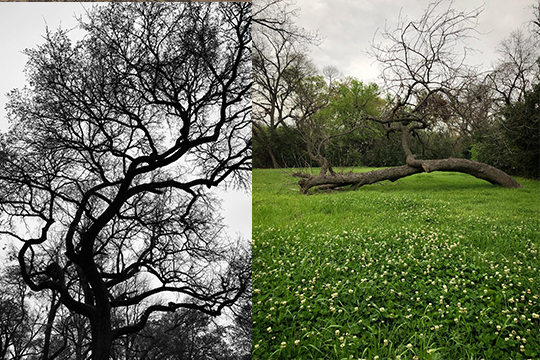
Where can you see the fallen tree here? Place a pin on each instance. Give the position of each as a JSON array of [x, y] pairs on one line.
[[413, 166], [336, 180], [426, 79]]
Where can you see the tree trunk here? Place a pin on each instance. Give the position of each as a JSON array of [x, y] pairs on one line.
[[414, 166], [275, 164], [476, 169], [49, 326], [101, 337]]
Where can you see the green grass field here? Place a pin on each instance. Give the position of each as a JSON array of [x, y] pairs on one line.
[[434, 266]]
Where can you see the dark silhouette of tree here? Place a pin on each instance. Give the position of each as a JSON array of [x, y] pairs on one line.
[[183, 335], [536, 19], [113, 145], [424, 71], [13, 320], [20, 324], [241, 330]]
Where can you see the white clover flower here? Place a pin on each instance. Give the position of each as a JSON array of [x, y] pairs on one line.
[[283, 345]]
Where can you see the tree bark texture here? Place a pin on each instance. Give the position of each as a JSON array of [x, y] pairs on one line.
[[101, 338]]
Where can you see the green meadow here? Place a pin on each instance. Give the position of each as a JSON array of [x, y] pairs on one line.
[[434, 266]]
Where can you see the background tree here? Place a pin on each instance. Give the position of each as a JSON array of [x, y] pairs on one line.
[[183, 335], [16, 318], [279, 64], [277, 76], [536, 18], [330, 112], [112, 146], [240, 330], [512, 144], [423, 71], [515, 72]]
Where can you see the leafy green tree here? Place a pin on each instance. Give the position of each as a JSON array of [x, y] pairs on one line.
[[333, 118]]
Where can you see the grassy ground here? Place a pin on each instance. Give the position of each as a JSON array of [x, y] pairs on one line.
[[434, 266]]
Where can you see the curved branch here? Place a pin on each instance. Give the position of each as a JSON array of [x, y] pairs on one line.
[[474, 168]]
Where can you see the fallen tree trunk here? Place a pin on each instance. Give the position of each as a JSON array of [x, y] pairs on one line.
[[476, 169]]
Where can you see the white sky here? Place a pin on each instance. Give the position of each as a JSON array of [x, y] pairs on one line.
[[22, 26], [348, 27]]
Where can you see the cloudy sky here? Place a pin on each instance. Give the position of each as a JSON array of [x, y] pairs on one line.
[[22, 26], [348, 27]]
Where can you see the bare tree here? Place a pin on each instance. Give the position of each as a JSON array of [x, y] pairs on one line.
[[516, 70], [23, 321], [279, 64], [536, 17], [424, 69], [277, 17], [15, 319], [113, 144], [277, 75], [184, 335]]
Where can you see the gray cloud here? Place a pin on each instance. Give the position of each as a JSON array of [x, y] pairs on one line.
[[348, 27]]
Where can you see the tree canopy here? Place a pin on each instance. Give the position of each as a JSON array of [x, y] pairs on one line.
[[113, 145]]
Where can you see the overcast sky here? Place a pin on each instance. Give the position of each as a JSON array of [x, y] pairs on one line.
[[348, 27], [22, 26]]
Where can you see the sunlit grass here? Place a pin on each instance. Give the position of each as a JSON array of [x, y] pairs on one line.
[[434, 266]]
